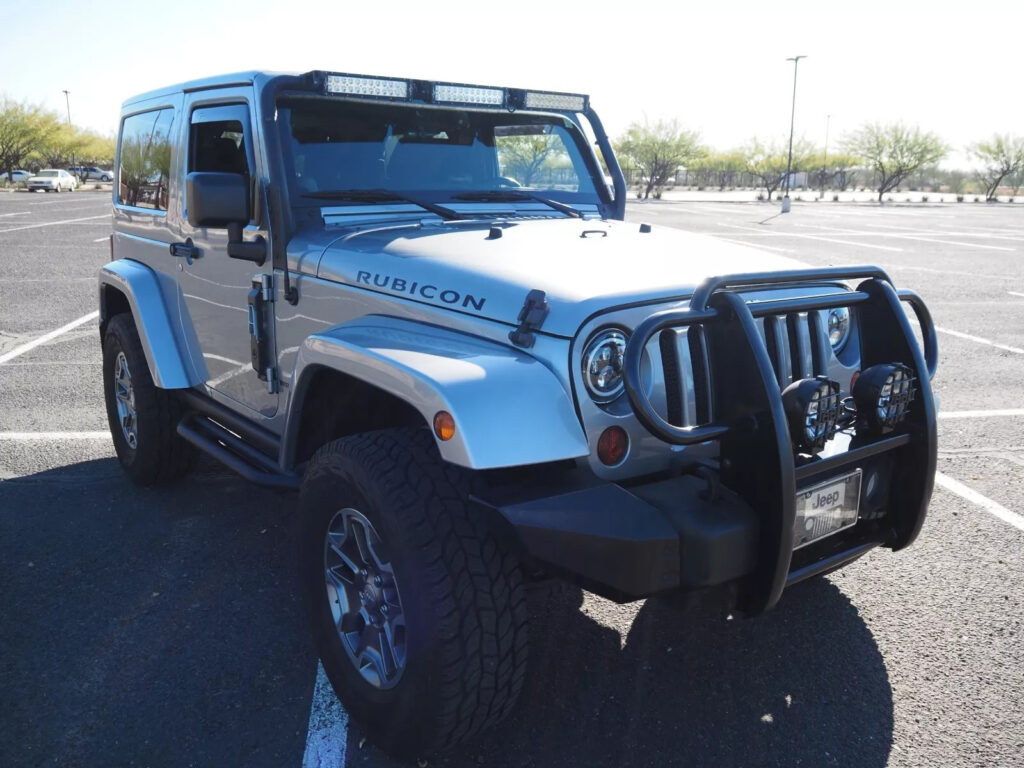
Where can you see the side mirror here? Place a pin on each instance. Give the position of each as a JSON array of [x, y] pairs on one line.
[[216, 199], [222, 200]]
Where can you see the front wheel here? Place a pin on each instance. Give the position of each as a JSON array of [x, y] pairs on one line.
[[417, 609]]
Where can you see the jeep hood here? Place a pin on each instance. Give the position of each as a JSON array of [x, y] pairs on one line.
[[583, 266]]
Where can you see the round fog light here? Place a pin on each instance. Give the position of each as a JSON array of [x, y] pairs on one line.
[[883, 394], [812, 409], [612, 446]]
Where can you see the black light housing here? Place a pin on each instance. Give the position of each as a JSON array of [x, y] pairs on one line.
[[883, 394], [812, 409]]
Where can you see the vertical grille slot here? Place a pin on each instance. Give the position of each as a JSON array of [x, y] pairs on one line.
[[668, 341]]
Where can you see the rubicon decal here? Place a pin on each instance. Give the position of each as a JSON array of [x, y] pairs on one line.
[[427, 291]]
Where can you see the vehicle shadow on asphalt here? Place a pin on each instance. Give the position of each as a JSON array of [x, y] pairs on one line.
[[150, 626], [802, 685]]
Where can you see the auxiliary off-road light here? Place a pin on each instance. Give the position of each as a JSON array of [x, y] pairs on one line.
[[812, 409], [612, 446], [883, 394], [564, 101], [368, 86], [602, 365], [468, 94]]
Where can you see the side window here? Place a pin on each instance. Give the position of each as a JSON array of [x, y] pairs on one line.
[[217, 140], [145, 159]]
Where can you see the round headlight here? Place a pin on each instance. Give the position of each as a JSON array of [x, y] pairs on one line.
[[602, 364], [838, 327]]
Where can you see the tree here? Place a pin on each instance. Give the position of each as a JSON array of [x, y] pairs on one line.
[[1002, 157], [522, 157], [659, 150], [894, 151], [58, 148], [767, 163], [23, 127]]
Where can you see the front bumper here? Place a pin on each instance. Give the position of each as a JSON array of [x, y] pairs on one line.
[[734, 527]]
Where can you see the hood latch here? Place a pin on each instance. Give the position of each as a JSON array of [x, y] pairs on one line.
[[531, 318]]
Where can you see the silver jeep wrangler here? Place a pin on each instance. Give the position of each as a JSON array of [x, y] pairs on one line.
[[417, 304]]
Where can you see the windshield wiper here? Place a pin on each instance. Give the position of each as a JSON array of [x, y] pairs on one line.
[[512, 195], [382, 196]]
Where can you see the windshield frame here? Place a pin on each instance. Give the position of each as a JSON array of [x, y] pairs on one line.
[[572, 135]]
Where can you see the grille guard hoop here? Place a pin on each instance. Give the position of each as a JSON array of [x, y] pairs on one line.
[[749, 420]]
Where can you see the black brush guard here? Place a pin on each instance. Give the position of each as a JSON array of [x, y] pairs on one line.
[[733, 374]]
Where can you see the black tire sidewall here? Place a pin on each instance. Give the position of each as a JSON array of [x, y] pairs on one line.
[[343, 485], [142, 463]]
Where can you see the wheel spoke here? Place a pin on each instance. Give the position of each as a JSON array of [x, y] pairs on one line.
[[364, 599]]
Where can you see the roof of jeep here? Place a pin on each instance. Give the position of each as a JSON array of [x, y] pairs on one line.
[[217, 81]]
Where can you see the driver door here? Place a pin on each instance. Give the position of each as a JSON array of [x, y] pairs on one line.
[[215, 288]]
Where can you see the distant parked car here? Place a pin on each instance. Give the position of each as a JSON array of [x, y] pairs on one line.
[[91, 172], [52, 180], [16, 176]]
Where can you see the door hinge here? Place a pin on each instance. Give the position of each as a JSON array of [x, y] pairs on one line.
[[531, 318], [261, 296]]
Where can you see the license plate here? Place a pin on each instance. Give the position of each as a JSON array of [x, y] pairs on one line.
[[826, 508]]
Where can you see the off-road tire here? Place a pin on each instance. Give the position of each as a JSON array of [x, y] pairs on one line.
[[160, 455], [461, 591]]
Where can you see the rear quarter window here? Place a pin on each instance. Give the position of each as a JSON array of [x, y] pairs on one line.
[[145, 159]]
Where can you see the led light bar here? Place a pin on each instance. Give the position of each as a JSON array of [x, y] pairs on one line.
[[469, 94], [368, 86], [564, 101]]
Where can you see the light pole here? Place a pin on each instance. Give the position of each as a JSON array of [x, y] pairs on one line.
[[792, 118], [67, 102], [824, 159]]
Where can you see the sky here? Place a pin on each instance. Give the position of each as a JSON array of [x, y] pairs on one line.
[[720, 68]]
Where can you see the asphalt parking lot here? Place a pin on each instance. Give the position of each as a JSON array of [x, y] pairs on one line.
[[164, 627]]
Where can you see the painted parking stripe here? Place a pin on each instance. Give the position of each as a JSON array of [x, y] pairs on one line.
[[1016, 293], [21, 213], [815, 237], [20, 436], [54, 223], [753, 245], [971, 495], [1003, 413], [969, 337], [47, 337], [327, 736]]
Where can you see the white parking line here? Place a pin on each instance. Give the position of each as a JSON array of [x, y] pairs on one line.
[[761, 246], [54, 223], [101, 239], [327, 736], [54, 435], [981, 414], [22, 213], [28, 347], [814, 237], [968, 337], [971, 495], [1016, 293]]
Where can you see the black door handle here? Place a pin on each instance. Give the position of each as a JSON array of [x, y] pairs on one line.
[[185, 250]]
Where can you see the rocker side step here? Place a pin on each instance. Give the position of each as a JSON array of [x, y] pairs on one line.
[[235, 453]]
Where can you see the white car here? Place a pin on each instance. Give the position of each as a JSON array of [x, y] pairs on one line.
[[52, 180]]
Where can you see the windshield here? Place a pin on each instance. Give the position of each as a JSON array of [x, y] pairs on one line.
[[47, 173], [431, 153]]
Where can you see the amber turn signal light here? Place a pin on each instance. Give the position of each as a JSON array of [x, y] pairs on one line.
[[444, 425]]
